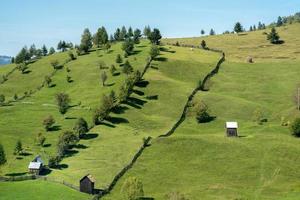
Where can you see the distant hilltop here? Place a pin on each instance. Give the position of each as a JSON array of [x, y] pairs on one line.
[[5, 60]]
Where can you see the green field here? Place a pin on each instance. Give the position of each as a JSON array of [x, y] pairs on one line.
[[197, 160]]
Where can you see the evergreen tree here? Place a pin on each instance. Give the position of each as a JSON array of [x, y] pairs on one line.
[[18, 149], [147, 31], [260, 26], [203, 44], [128, 46], [86, 41], [62, 46], [136, 36], [32, 50], [127, 68], [119, 59], [273, 36], [202, 32], [279, 22], [44, 50], [123, 33], [238, 28], [254, 27], [212, 32], [117, 35], [154, 51], [130, 32], [2, 155], [101, 37], [155, 36], [51, 51], [251, 29], [22, 56]]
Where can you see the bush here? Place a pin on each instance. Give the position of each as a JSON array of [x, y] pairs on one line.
[[2, 99], [295, 127], [65, 141], [63, 101], [53, 161], [2, 155], [22, 67], [102, 65], [40, 139], [127, 68], [202, 114], [119, 59], [55, 64], [113, 70], [81, 127], [258, 117], [132, 189], [71, 55], [18, 149], [48, 81], [48, 123]]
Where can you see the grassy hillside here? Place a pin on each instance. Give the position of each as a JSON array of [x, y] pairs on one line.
[[200, 162]]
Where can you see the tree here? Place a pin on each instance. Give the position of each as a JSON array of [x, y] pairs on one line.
[[48, 81], [40, 139], [147, 31], [202, 114], [81, 127], [18, 148], [54, 64], [119, 59], [127, 68], [108, 103], [238, 28], [51, 51], [202, 32], [2, 155], [128, 46], [251, 29], [136, 36], [44, 50], [123, 33], [295, 127], [113, 70], [260, 26], [106, 47], [155, 36], [259, 117], [203, 44], [273, 36], [154, 51], [32, 50], [117, 35], [53, 161], [254, 27], [2, 99], [279, 22], [48, 123], [22, 67], [130, 32], [63, 100], [22, 56], [86, 41], [101, 37], [212, 32], [65, 141], [103, 78], [132, 189], [62, 45]]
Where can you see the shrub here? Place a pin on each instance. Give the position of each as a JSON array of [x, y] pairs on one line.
[[63, 101], [203, 44], [2, 99], [48, 81], [22, 67], [113, 70], [65, 141], [119, 59], [55, 64], [18, 149], [2, 155], [69, 79], [258, 117], [154, 51], [273, 36], [128, 46], [16, 97], [132, 189], [102, 65], [53, 161], [71, 55], [81, 127], [202, 114], [127, 68], [48, 123], [295, 127], [40, 139]]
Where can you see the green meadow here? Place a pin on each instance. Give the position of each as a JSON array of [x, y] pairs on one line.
[[197, 160]]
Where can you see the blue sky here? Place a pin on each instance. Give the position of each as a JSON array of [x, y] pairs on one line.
[[23, 22]]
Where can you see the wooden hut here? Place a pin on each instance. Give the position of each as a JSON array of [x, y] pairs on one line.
[[231, 129], [36, 165], [87, 184]]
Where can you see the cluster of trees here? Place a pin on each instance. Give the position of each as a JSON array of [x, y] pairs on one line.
[[260, 26], [122, 34], [26, 54], [287, 20], [108, 102], [64, 46], [211, 32]]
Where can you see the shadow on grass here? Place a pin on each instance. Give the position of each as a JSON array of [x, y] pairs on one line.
[[154, 67], [55, 128], [138, 92], [142, 84], [135, 52], [137, 101], [25, 154], [61, 166], [207, 120], [52, 85], [161, 59], [110, 84], [71, 152], [116, 74], [152, 97], [45, 172], [163, 49], [80, 146], [47, 145], [90, 136], [117, 120], [16, 174], [26, 72], [70, 117], [119, 109], [107, 124]]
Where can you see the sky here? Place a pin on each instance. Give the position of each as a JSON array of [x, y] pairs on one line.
[[24, 22]]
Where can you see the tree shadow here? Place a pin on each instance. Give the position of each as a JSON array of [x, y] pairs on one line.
[[119, 109], [110, 51], [152, 97], [16, 174], [117, 120], [154, 67], [90, 136], [135, 52], [25, 154], [45, 171], [61, 166], [70, 117], [141, 46], [138, 92], [207, 120], [19, 158], [26, 72], [161, 59], [47, 145], [137, 101], [107, 124], [116, 74], [163, 49], [55, 128], [52, 85], [110, 84], [71, 152], [132, 105], [80, 146], [142, 84]]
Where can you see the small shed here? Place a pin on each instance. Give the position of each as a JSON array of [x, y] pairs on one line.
[[87, 184], [36, 165], [231, 129]]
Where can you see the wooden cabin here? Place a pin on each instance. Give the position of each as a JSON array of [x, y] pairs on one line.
[[87, 184], [36, 165], [231, 129]]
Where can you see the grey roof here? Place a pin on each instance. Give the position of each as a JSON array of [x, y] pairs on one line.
[[231, 125], [34, 165], [38, 159]]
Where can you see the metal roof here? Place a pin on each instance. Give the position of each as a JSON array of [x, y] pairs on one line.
[[231, 125], [34, 165]]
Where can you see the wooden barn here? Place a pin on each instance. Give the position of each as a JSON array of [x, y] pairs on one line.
[[36, 165], [87, 184], [231, 129]]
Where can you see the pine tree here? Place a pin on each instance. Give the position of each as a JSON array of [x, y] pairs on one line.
[[279, 22], [2, 155], [202, 32], [86, 41], [238, 28], [18, 149], [136, 36], [127, 68], [117, 35], [273, 36], [251, 29], [130, 32], [203, 44], [155, 36], [147, 31], [51, 51], [123, 33], [44, 50], [212, 32]]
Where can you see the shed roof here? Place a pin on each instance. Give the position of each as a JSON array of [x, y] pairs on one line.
[[231, 125], [90, 177], [34, 165], [38, 159]]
